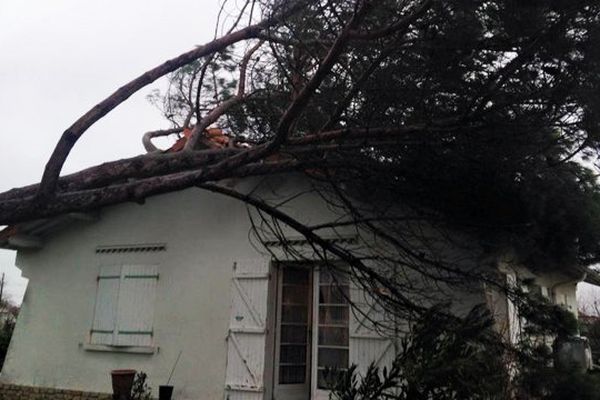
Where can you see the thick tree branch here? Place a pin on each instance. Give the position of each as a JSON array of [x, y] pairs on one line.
[[75, 131], [24, 209], [148, 136], [395, 295], [149, 165]]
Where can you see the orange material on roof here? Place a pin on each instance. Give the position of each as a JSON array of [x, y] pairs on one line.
[[178, 146], [214, 138]]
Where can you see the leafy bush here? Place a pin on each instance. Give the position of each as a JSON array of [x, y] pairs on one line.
[[445, 357], [573, 386], [7, 327], [141, 390], [450, 358]]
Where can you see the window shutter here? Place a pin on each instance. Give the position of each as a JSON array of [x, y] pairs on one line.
[[247, 330], [136, 305], [367, 344], [105, 311], [514, 323]]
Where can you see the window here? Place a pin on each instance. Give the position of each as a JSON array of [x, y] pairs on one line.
[[124, 310]]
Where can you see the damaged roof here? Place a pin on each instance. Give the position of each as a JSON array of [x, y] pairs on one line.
[[31, 234]]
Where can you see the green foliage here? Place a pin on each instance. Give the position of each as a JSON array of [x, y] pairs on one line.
[[505, 93], [538, 377], [7, 327], [539, 380], [590, 328], [444, 357], [140, 389], [573, 385], [545, 318]]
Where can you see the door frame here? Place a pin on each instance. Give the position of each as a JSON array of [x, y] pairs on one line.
[[315, 392], [273, 325], [271, 370]]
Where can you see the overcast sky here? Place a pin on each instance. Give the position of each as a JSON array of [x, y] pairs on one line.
[[59, 58]]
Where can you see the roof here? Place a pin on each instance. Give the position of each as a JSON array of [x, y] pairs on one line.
[[31, 234], [592, 277]]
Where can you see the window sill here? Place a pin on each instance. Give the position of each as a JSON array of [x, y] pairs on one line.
[[120, 349]]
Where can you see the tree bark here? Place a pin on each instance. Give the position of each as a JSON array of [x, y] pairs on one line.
[[75, 131]]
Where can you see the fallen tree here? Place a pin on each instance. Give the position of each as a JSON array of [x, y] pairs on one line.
[[477, 116]]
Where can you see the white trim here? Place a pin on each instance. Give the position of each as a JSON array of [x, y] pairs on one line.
[[240, 388], [302, 241], [248, 329], [120, 349]]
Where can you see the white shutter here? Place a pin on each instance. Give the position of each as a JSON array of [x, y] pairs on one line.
[[105, 312], [514, 323], [367, 345], [247, 330], [136, 305]]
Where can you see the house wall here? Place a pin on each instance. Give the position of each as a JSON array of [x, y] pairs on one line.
[[205, 234], [556, 287], [562, 290]]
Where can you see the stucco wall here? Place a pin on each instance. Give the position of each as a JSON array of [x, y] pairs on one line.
[[556, 287], [204, 232]]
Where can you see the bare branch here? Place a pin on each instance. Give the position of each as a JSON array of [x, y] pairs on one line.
[[325, 245], [22, 209], [148, 136], [400, 26], [160, 164], [75, 131], [302, 99], [222, 108]]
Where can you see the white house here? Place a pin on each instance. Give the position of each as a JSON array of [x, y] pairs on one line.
[[133, 286]]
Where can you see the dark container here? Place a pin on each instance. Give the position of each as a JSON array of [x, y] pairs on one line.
[[165, 392], [122, 382]]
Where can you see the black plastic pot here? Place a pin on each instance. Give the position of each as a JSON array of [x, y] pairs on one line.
[[122, 382], [165, 392]]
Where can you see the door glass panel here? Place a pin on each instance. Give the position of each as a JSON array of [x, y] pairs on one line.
[[333, 315], [295, 294], [293, 330], [328, 277], [293, 353], [333, 358], [294, 313], [290, 374], [296, 276], [333, 295], [333, 333], [293, 334], [333, 336], [326, 377]]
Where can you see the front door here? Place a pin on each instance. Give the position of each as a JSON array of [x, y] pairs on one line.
[[309, 301], [293, 334]]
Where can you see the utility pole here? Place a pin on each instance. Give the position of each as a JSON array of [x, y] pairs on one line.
[[1, 288]]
